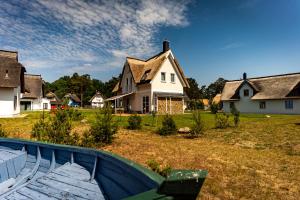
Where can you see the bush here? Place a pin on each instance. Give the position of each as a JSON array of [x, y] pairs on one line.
[[222, 120], [198, 126], [2, 132], [57, 130], [134, 122], [40, 130], [168, 126], [74, 115], [87, 140], [103, 129], [236, 116], [154, 118], [195, 105], [214, 108], [155, 166]]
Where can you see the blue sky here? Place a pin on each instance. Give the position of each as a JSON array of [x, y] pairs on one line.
[[210, 38]]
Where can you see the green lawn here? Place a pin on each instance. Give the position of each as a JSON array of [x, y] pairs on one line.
[[260, 159]]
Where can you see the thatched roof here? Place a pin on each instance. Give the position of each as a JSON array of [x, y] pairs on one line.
[[33, 86], [11, 72], [216, 99], [204, 101], [97, 95], [269, 87], [72, 96], [53, 98], [143, 71]]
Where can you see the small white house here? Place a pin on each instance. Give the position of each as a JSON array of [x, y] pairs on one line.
[[156, 84], [11, 83], [33, 98], [97, 101], [279, 94]]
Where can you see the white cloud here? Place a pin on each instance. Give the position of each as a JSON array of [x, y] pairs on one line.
[[91, 35]]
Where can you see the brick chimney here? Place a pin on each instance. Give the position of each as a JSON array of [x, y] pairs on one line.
[[166, 45], [244, 76]]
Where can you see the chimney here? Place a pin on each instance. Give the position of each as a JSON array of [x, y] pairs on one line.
[[244, 76], [166, 46]]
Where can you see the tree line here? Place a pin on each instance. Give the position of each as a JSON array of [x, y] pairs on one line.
[[85, 87]]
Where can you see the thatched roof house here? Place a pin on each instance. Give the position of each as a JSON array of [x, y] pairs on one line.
[[11, 83], [282, 90]]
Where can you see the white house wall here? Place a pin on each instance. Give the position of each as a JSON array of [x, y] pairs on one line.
[[131, 85], [7, 102], [98, 102], [246, 105], [158, 86]]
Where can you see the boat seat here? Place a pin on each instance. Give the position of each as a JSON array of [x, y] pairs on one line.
[[69, 181], [11, 163]]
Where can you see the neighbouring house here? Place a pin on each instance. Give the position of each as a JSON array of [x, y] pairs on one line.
[[205, 103], [55, 102], [156, 84], [72, 100], [33, 97], [97, 101], [11, 83], [278, 94], [217, 99]]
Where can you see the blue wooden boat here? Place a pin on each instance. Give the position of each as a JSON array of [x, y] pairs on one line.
[[35, 170]]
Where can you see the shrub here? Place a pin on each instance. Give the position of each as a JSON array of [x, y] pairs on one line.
[[236, 115], [103, 129], [195, 105], [134, 122], [40, 130], [154, 118], [57, 130], [198, 126], [168, 126], [214, 108], [222, 120], [74, 115], [156, 167], [2, 132], [87, 140]]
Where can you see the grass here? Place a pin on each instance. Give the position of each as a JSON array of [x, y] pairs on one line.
[[256, 160]]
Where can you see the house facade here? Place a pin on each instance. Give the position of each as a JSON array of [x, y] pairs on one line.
[[33, 97], [279, 94], [55, 102], [156, 84], [72, 100], [97, 101], [11, 83]]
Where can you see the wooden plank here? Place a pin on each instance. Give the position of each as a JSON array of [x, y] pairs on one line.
[[17, 196], [33, 194], [71, 181], [72, 189], [57, 193]]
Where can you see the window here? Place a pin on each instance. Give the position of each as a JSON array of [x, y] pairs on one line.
[[231, 105], [262, 105], [145, 104], [15, 102], [45, 106], [172, 78], [246, 93], [126, 84], [163, 76], [289, 104]]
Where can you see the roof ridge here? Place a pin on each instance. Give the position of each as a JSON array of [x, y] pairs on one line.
[[270, 76], [8, 51]]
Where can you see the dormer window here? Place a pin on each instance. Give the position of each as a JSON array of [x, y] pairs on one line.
[[6, 74], [246, 93]]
